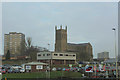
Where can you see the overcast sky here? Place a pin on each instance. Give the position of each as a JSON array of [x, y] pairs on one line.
[[87, 22]]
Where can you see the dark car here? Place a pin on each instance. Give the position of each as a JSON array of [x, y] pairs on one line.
[[59, 69]]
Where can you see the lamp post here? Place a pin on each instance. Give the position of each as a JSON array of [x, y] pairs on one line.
[[49, 60], [115, 52]]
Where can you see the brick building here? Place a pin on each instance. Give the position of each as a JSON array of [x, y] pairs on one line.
[[35, 66]]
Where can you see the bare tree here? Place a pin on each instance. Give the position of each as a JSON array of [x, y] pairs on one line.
[[31, 50], [28, 42]]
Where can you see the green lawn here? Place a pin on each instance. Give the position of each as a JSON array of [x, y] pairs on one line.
[[42, 75]]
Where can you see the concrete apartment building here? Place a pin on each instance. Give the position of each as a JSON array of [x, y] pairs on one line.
[[103, 55], [57, 57], [83, 51], [15, 43]]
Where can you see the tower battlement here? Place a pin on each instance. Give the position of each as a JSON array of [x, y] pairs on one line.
[[60, 28]]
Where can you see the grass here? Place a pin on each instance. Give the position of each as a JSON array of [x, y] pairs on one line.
[[42, 75], [11, 62]]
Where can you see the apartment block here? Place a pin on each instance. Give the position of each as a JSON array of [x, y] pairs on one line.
[[15, 43], [103, 55]]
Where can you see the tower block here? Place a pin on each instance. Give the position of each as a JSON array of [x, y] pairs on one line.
[[61, 39]]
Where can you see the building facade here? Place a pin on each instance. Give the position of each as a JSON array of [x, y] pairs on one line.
[[103, 55], [57, 57], [84, 51], [35, 67], [15, 43]]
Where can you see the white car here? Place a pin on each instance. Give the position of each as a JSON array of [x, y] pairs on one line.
[[16, 67], [22, 70], [54, 69]]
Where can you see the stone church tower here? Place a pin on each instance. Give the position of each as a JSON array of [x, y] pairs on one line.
[[61, 39]]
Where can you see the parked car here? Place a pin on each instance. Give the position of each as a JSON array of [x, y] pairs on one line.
[[63, 69], [16, 70], [7, 66], [74, 69], [22, 70], [4, 68], [67, 69], [15, 66], [3, 71], [59, 69], [10, 71], [54, 69]]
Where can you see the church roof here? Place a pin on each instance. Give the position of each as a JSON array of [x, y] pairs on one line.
[[82, 44]]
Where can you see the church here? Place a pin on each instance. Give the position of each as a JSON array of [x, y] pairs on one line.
[[83, 51]]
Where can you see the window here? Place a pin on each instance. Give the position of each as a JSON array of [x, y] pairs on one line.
[[28, 67], [39, 54], [61, 54], [66, 55], [48, 54], [73, 55], [55, 54], [39, 67], [70, 55], [43, 54]]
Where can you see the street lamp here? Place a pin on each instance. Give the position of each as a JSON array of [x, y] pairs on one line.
[[115, 52], [49, 60]]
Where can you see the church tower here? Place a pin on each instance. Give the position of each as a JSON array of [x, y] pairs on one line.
[[61, 39]]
